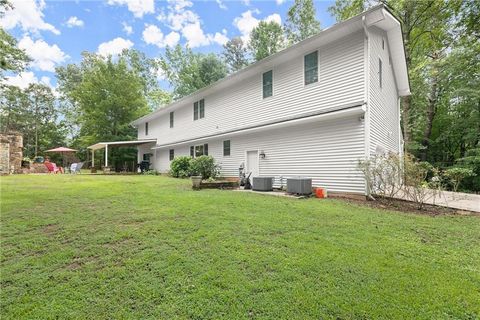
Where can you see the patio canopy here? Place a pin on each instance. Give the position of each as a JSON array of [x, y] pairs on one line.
[[104, 145]]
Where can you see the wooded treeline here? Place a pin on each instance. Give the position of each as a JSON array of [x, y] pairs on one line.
[[97, 98]]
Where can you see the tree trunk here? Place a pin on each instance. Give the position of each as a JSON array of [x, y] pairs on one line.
[[407, 135]]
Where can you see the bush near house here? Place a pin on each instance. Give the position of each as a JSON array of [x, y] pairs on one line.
[[388, 174], [180, 167], [184, 166]]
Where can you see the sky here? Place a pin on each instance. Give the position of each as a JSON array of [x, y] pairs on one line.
[[55, 33]]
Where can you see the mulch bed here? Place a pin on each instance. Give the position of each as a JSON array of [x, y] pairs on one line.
[[410, 207]]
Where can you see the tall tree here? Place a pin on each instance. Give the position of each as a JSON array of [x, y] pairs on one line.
[[106, 94], [187, 71], [235, 54], [42, 105], [33, 112], [301, 21], [425, 30], [266, 39], [12, 58]]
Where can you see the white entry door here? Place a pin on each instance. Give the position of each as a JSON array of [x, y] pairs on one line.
[[252, 163]]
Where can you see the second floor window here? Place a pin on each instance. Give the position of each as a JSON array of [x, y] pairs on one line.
[[171, 119], [268, 84], [146, 128], [199, 109], [311, 67]]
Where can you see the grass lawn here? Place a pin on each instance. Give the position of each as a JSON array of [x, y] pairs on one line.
[[150, 247]]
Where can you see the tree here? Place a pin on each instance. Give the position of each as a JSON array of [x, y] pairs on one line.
[[42, 106], [187, 71], [235, 54], [12, 58], [266, 39], [107, 95], [425, 27], [211, 69], [301, 21], [35, 114]]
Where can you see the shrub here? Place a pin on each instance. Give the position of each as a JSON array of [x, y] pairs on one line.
[[181, 167], [204, 166], [386, 175], [383, 174], [151, 173], [457, 174]]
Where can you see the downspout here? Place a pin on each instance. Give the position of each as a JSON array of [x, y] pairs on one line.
[[366, 75]]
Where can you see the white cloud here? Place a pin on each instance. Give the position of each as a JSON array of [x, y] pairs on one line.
[[221, 5], [74, 22], [180, 18], [137, 7], [45, 57], [21, 80], [127, 28], [114, 46], [279, 2], [275, 18], [28, 15], [246, 2], [153, 35], [220, 38], [246, 22], [24, 79]]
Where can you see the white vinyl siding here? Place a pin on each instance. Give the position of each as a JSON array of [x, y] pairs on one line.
[[326, 151], [341, 82], [385, 134]]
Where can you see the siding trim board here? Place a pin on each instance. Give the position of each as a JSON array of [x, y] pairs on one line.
[[357, 108]]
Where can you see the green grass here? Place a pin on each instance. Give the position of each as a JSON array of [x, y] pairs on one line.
[[150, 247]]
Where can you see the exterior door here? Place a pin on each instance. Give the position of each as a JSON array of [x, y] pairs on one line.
[[252, 163]]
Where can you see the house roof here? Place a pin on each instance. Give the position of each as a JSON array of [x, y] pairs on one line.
[[377, 16], [101, 145]]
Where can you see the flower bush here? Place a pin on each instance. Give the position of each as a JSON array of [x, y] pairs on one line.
[[181, 167]]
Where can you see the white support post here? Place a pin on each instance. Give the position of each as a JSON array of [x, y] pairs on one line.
[[93, 158], [106, 155]]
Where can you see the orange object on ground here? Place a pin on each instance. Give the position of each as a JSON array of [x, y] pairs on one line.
[[321, 193]]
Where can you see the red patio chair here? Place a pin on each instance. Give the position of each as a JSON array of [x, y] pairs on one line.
[[52, 167]]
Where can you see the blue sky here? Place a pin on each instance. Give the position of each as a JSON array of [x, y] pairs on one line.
[[56, 32]]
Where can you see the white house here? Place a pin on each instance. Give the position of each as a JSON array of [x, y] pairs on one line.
[[311, 110]]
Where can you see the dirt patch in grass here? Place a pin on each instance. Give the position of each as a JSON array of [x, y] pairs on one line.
[[50, 229], [79, 262], [410, 207]]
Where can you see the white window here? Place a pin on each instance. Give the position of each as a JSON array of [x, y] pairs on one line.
[[199, 109], [267, 84], [199, 150], [311, 67], [226, 148]]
